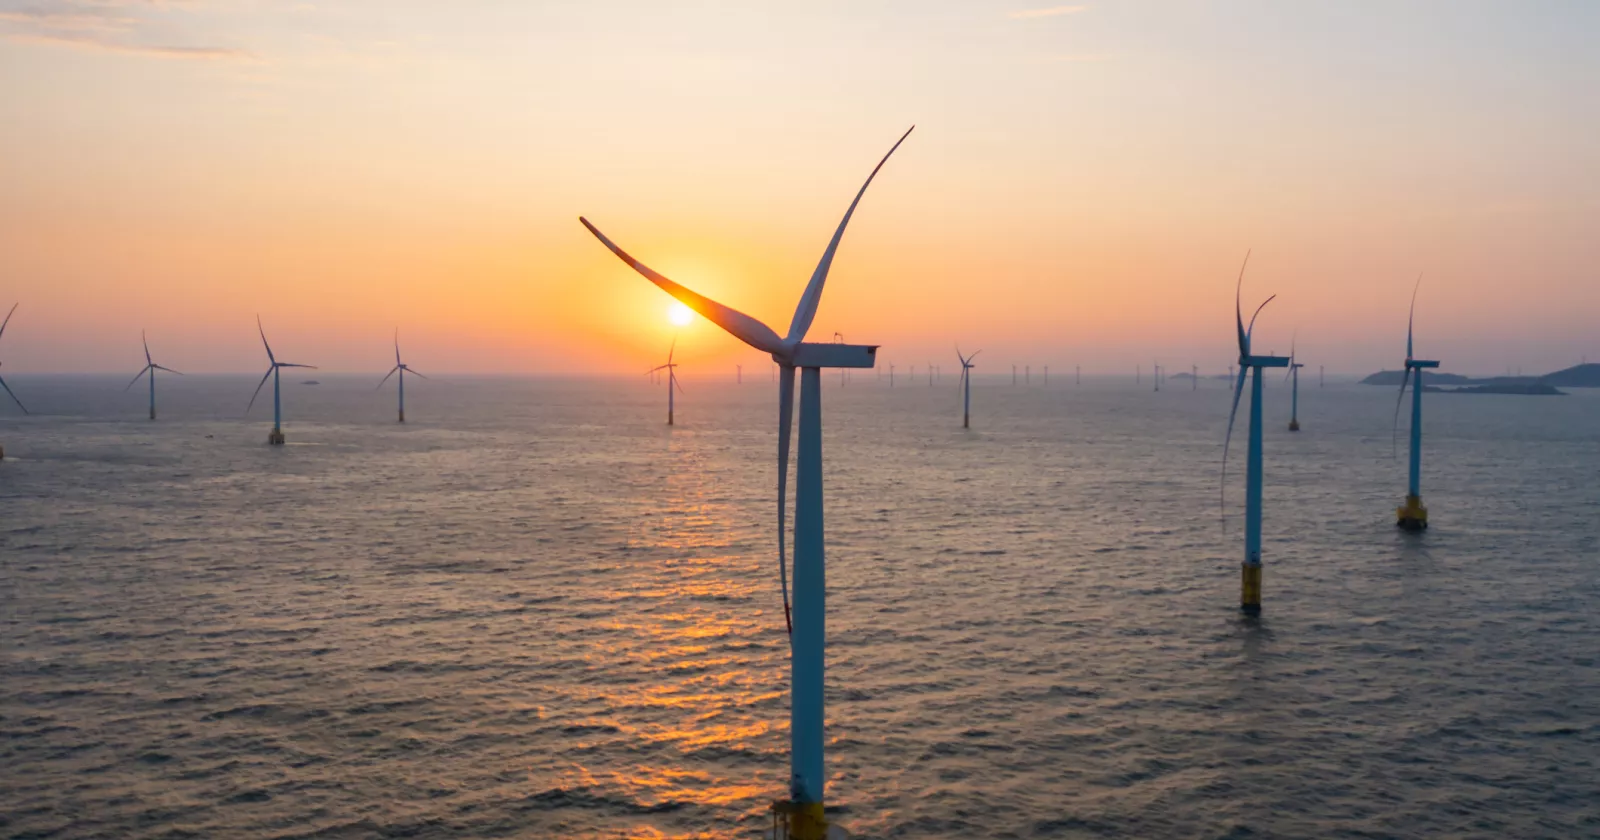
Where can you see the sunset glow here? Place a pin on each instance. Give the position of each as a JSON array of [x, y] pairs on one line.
[[1081, 188]]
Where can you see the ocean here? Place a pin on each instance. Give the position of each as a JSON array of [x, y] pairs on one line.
[[536, 611]]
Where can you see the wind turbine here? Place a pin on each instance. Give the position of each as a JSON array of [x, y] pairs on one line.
[[966, 386], [1155, 373], [1250, 594], [1194, 377], [669, 367], [400, 368], [150, 367], [803, 811], [738, 374], [1412, 515], [276, 436], [2, 381], [1294, 390], [930, 374]]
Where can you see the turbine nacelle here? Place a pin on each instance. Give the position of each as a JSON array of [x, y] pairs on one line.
[[1265, 361], [830, 355], [1421, 363]]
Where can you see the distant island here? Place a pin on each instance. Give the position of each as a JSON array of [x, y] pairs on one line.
[[311, 382], [1578, 376]]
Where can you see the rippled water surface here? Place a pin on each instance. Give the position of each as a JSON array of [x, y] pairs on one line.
[[534, 611]]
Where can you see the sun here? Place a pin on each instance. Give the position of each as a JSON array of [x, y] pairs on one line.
[[679, 314]]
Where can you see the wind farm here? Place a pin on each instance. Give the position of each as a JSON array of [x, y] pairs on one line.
[[524, 607]]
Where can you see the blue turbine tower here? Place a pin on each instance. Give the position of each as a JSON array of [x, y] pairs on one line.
[[1250, 589], [802, 812], [1413, 516], [400, 368], [150, 367], [966, 386], [1294, 389], [672, 377], [275, 437]]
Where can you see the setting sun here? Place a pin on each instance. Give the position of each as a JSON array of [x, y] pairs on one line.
[[679, 314]]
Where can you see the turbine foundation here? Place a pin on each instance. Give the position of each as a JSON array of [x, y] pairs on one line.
[[799, 821], [402, 415], [1294, 425], [1250, 589], [152, 414], [2, 453], [1412, 516], [275, 437]]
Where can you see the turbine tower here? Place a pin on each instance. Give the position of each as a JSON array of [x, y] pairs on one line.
[[1412, 515], [400, 368], [2, 380], [1250, 594], [275, 437], [966, 386], [150, 367], [1194, 377], [1294, 389], [803, 810], [672, 374]]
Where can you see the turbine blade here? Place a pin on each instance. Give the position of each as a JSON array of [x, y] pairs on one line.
[[386, 376], [673, 348], [7, 321], [167, 369], [973, 356], [809, 301], [413, 373], [1222, 499], [1252, 330], [785, 422], [742, 326], [8, 389], [147, 359], [674, 377], [258, 389], [142, 371], [264, 343], [289, 364], [1238, 313], [1411, 318], [396, 346], [1394, 439]]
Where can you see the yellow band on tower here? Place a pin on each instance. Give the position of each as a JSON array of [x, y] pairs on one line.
[[1250, 587]]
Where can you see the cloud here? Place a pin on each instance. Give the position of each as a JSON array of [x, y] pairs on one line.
[[1053, 11], [125, 27]]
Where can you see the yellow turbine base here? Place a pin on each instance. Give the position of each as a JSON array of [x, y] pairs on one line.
[[1412, 515], [1250, 588], [275, 437], [798, 821]]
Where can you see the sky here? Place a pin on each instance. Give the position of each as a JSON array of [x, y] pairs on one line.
[[1082, 185]]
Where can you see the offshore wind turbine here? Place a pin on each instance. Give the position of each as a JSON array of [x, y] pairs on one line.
[[966, 386], [1413, 516], [150, 367], [803, 810], [1294, 389], [2, 379], [275, 437], [1194, 377], [1250, 580], [402, 369], [672, 374]]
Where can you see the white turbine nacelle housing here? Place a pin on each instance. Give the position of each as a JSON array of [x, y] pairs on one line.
[[833, 355]]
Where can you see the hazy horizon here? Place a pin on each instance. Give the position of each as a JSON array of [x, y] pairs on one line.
[[1082, 184]]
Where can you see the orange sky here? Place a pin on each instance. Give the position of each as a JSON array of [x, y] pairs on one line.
[[1082, 184]]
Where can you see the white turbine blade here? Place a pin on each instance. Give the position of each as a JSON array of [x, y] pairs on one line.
[[1394, 439], [785, 421], [742, 326], [142, 371], [812, 298], [7, 321], [412, 372], [673, 348], [973, 356], [264, 343], [386, 376], [1222, 497], [397, 347], [146, 341], [289, 364], [1238, 313], [167, 369], [8, 389], [1251, 331], [258, 389], [674, 377], [1411, 318]]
